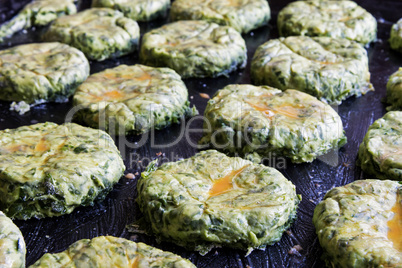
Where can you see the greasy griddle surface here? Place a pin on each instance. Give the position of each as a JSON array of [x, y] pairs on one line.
[[312, 180]]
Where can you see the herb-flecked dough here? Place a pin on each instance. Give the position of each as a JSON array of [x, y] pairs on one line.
[[101, 33], [394, 91], [395, 39], [213, 200], [194, 48], [336, 19], [12, 244], [48, 170], [380, 153], [109, 251], [37, 13], [41, 72], [358, 225], [327, 68], [132, 99], [138, 10], [242, 15], [263, 122]]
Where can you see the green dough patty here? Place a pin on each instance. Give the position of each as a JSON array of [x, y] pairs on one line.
[[212, 200], [41, 71], [109, 251], [396, 36], [262, 120], [12, 244], [101, 33], [194, 48], [48, 169], [337, 19], [380, 153], [358, 225], [37, 13], [138, 10], [394, 91], [242, 15], [330, 69], [136, 98]]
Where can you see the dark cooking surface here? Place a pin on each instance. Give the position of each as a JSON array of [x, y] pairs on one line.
[[312, 180]]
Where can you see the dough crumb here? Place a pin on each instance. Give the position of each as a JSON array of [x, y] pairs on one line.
[[130, 176], [204, 95]]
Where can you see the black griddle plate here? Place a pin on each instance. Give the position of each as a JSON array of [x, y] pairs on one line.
[[312, 180]]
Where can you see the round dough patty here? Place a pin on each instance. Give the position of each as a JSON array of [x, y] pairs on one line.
[[42, 71], [138, 10], [330, 69], [359, 224], [250, 120], [395, 40], [37, 13], [101, 33], [194, 48], [337, 19], [394, 91], [12, 244], [109, 251], [211, 200], [242, 15], [380, 153], [136, 98], [48, 169]]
